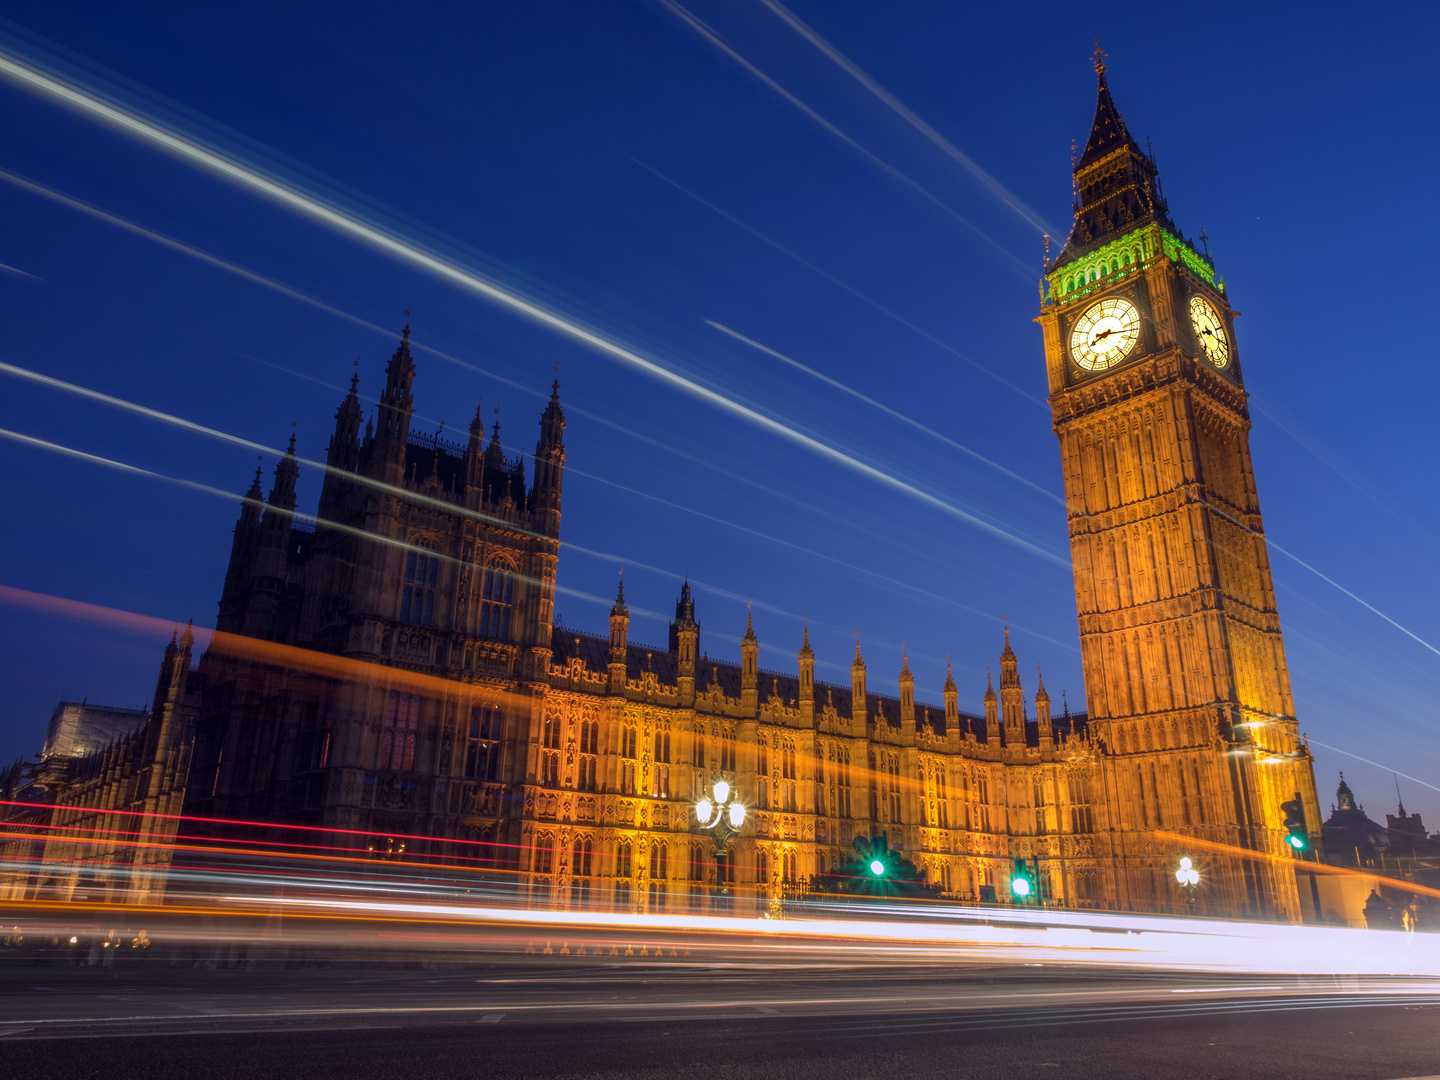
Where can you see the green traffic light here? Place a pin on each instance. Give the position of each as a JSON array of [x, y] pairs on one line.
[[877, 868], [1020, 886], [1297, 842]]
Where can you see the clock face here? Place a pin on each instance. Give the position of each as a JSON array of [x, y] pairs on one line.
[[1105, 335], [1210, 331]]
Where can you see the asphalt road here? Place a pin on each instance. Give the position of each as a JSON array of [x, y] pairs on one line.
[[707, 1022]]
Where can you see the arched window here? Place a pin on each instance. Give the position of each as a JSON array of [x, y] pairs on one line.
[[397, 737], [580, 862], [544, 853], [727, 750], [417, 595], [482, 754], [589, 747], [496, 595], [550, 755], [628, 742]]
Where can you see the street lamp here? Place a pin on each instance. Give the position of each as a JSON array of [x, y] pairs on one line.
[[1188, 877], [723, 813]]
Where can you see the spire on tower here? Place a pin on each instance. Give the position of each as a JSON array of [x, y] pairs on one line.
[[1116, 185], [1108, 132], [620, 608]]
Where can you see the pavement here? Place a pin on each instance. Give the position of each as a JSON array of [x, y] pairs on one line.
[[708, 1020]]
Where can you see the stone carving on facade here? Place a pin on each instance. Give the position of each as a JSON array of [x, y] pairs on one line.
[[393, 793], [480, 800]]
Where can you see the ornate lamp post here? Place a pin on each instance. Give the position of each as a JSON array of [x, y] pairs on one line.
[[1188, 877], [723, 813]]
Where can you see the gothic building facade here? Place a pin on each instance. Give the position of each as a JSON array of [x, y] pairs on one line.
[[394, 671]]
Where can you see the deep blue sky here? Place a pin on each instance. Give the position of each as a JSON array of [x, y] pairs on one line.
[[526, 139]]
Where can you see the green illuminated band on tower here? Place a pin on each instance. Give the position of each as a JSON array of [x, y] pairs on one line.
[[1125, 256]]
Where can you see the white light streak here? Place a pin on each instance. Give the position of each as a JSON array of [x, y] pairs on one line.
[[1011, 261], [349, 224], [886, 410], [230, 496], [999, 190], [848, 288]]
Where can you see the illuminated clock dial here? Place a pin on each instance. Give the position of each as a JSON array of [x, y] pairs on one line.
[[1210, 331], [1105, 334]]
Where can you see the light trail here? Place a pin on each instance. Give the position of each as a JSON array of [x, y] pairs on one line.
[[905, 588], [858, 933], [347, 897], [964, 160], [296, 294], [230, 496], [1184, 842], [241, 647], [848, 288], [1010, 261], [1322, 576], [886, 409], [183, 248], [1367, 761], [348, 223], [357, 478]]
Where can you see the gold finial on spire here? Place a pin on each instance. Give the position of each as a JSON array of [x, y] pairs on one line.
[[1099, 56]]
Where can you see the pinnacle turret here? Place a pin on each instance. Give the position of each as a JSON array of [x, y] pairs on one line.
[[397, 402], [280, 506]]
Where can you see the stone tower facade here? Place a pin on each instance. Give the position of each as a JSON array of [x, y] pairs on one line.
[[1186, 683]]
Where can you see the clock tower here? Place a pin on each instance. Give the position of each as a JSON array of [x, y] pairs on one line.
[[1185, 676]]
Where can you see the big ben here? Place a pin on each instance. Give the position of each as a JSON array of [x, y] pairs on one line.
[[1186, 682]]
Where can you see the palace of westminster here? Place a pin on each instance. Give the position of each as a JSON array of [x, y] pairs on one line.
[[395, 672]]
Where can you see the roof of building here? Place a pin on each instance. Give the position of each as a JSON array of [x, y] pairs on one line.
[[594, 651], [1108, 132]]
